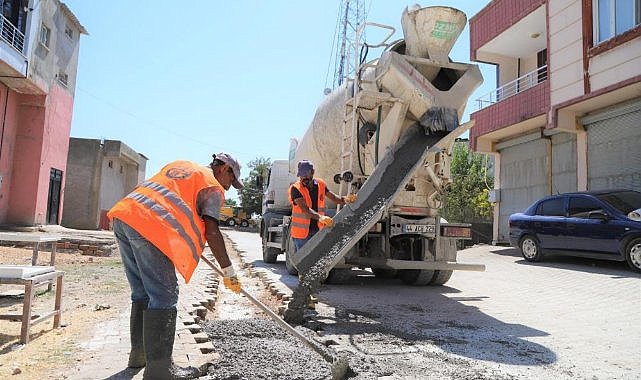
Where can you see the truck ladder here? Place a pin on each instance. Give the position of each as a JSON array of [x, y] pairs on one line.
[[349, 133]]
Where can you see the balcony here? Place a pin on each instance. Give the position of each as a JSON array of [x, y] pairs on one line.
[[11, 35], [513, 87], [511, 110]]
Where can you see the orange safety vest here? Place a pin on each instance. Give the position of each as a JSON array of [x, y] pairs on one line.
[[299, 227], [163, 210]]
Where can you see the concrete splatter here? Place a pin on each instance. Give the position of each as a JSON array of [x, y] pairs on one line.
[[260, 349]]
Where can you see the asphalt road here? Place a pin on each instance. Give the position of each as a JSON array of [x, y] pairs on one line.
[[564, 318]]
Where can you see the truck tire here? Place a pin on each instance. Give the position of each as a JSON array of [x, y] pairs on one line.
[[441, 277], [270, 254], [291, 269], [339, 276], [231, 222], [244, 223], [387, 274], [416, 277], [289, 251]]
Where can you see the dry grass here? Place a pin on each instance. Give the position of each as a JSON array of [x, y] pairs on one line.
[[88, 282]]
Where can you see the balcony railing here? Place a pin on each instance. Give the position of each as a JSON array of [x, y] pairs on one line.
[[511, 88], [11, 34]]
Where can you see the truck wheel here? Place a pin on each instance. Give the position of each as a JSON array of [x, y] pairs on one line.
[[416, 277], [289, 266], [633, 254], [339, 276], [270, 254], [384, 273], [441, 277], [530, 248], [231, 222], [244, 223]]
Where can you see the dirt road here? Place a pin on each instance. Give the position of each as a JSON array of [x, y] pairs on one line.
[[565, 318]]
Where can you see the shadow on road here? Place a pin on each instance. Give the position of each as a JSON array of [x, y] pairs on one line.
[[425, 320], [615, 269]]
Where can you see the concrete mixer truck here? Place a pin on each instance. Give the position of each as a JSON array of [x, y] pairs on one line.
[[385, 135]]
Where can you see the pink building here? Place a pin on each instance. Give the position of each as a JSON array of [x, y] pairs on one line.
[[566, 113], [39, 44]]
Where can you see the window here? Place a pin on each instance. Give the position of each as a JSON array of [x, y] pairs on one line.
[[614, 17], [45, 36], [63, 78], [552, 207], [581, 207], [68, 31], [110, 164]]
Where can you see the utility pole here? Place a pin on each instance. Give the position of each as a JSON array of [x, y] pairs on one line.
[[351, 16]]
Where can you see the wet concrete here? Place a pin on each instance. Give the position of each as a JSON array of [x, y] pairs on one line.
[[260, 349], [324, 250]]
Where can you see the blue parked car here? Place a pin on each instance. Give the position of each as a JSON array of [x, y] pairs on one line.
[[596, 224]]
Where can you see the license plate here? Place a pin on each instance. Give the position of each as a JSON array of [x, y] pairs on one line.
[[419, 228]]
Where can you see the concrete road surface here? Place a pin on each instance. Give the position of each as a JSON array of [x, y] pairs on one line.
[[564, 318]]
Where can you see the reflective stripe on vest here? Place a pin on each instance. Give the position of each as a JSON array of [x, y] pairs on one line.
[[300, 221], [164, 211], [180, 204]]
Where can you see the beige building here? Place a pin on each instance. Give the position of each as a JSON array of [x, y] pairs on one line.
[[566, 113], [99, 174]]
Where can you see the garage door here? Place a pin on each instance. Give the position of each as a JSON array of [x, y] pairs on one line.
[[614, 148], [524, 179]]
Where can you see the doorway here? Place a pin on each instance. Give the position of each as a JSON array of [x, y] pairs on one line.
[[53, 202]]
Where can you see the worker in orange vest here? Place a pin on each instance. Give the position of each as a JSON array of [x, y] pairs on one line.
[[307, 196], [161, 228]]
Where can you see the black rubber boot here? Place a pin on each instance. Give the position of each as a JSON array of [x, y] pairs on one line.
[[137, 353], [159, 329]]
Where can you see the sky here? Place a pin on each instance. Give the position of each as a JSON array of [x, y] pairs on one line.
[[183, 80]]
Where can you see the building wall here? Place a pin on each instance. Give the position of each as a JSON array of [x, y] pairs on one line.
[[99, 173], [615, 65], [62, 55], [82, 184], [566, 50], [42, 139], [9, 108], [27, 162], [36, 119]]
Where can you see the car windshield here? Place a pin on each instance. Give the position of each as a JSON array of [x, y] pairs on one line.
[[624, 201]]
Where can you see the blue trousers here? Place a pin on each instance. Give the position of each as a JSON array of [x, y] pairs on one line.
[[151, 275], [299, 243]]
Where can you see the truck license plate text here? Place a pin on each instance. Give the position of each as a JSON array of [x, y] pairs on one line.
[[418, 228]]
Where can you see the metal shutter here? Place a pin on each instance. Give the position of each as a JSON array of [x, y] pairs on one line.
[[614, 152], [524, 179]]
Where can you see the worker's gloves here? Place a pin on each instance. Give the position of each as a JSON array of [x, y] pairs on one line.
[[326, 221], [350, 198], [230, 279]]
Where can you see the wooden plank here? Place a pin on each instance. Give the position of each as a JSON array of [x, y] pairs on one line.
[[58, 304], [26, 313]]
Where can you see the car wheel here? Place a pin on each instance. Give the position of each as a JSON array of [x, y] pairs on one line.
[[530, 248], [633, 254], [231, 222]]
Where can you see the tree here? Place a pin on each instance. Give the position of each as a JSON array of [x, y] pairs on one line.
[[251, 196], [467, 197], [231, 202]]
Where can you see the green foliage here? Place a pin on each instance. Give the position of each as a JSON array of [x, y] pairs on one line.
[[467, 197], [231, 202], [251, 195]]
